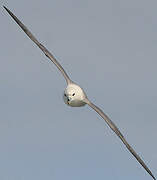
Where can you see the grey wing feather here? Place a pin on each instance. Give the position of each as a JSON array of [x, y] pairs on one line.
[[45, 51], [119, 134]]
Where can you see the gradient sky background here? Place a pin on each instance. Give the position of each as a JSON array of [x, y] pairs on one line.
[[109, 47]]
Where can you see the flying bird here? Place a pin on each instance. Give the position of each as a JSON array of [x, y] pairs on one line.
[[75, 96]]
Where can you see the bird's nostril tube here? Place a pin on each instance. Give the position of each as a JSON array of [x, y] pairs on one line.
[[68, 99]]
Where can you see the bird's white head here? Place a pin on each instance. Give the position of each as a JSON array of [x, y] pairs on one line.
[[74, 95]]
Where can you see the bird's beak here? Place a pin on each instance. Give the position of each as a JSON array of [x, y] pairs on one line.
[[68, 100]]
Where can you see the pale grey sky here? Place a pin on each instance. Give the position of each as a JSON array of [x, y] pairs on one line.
[[109, 48]]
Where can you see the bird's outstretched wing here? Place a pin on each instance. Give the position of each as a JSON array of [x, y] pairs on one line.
[[43, 48], [119, 134]]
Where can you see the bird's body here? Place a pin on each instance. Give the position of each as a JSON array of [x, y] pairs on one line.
[[74, 95]]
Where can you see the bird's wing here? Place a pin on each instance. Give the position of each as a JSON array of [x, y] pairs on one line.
[[43, 48], [119, 134]]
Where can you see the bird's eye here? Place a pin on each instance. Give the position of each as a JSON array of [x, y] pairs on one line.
[[65, 95], [73, 94]]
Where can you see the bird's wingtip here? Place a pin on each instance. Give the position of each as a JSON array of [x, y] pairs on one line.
[[5, 8]]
